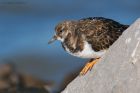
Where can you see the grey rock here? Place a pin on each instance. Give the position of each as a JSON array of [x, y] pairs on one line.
[[118, 71]]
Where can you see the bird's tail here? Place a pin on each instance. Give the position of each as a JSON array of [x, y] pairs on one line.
[[124, 27]]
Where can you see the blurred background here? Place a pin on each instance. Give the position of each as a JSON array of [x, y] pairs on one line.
[[27, 25]]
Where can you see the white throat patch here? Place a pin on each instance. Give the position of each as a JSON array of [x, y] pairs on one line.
[[60, 39]]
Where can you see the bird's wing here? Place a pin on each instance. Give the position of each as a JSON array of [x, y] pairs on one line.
[[100, 32]]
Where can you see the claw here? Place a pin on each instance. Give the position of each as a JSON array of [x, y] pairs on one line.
[[88, 66]]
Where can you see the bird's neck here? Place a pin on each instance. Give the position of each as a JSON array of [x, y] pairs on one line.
[[73, 43]]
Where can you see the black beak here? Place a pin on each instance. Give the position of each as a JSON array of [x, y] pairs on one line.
[[53, 39]]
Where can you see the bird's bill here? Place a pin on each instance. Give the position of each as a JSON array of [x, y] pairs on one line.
[[54, 38]]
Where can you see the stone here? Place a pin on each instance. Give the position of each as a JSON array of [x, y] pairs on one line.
[[13, 82], [119, 69]]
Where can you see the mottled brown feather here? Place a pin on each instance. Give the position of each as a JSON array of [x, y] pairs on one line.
[[100, 32]]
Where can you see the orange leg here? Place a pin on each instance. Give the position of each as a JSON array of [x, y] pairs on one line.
[[89, 66]]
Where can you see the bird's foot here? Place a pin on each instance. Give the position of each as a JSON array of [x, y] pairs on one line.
[[88, 66]]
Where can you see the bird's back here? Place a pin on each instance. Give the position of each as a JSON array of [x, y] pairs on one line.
[[100, 32]]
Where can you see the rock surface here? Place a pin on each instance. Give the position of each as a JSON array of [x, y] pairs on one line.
[[13, 82], [118, 71]]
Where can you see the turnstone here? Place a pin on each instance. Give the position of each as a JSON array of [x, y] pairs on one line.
[[88, 37]]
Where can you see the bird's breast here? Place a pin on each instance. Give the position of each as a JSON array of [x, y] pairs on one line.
[[87, 52]]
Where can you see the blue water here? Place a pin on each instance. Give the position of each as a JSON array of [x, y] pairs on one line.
[[24, 34]]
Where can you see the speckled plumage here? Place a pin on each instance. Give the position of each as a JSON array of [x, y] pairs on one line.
[[98, 32]]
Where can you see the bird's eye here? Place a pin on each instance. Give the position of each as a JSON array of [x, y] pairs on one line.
[[61, 31]]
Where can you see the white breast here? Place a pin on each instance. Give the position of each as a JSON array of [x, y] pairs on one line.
[[87, 52]]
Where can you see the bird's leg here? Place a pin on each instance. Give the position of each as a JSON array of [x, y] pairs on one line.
[[89, 66]]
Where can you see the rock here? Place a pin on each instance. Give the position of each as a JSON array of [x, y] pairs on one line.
[[5, 70], [118, 71], [13, 82], [68, 78]]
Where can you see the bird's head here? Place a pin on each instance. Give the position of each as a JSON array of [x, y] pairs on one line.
[[62, 30]]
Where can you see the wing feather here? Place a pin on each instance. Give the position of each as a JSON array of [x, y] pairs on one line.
[[100, 32]]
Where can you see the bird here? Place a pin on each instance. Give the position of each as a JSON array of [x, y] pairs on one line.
[[88, 37]]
